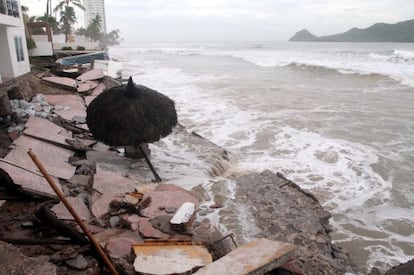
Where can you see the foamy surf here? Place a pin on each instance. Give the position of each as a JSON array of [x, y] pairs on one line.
[[345, 138]]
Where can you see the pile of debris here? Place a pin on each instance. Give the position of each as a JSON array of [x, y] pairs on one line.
[[87, 83], [143, 227]]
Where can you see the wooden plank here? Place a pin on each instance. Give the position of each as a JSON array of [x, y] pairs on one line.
[[256, 257]]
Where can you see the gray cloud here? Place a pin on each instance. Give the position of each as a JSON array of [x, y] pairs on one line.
[[186, 20]]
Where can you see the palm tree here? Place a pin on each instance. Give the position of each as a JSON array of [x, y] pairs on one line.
[[66, 3], [67, 14], [52, 22], [93, 30], [67, 18]]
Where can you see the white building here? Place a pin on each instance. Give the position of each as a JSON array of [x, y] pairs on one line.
[[14, 57], [93, 8]]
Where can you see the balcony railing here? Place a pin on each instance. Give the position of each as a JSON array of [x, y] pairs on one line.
[[9, 7]]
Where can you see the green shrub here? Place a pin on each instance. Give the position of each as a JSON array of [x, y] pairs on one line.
[[64, 48], [80, 48]]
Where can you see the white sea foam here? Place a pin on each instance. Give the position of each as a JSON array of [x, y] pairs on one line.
[[339, 172], [398, 66]]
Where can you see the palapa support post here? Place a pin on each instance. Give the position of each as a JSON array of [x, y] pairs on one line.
[[72, 211], [157, 178]]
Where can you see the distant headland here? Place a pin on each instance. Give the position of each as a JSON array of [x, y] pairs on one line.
[[379, 32]]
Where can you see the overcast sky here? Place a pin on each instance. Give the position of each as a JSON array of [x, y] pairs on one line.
[[218, 20]]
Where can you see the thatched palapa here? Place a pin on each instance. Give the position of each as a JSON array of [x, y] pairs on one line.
[[131, 115]]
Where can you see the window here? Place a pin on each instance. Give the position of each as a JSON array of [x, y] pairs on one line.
[[18, 44]]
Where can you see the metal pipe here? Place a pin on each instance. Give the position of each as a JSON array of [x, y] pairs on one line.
[[72, 211]]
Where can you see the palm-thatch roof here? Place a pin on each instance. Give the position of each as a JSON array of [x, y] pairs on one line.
[[130, 115]]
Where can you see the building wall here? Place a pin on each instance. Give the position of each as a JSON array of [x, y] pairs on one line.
[[23, 66], [9, 20], [43, 46], [10, 28], [6, 67], [92, 8]]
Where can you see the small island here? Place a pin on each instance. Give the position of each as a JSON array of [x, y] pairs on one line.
[[379, 32]]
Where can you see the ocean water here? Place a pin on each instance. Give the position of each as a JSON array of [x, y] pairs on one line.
[[336, 118]]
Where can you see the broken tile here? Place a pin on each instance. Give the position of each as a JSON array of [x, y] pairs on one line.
[[78, 205], [120, 247], [98, 89], [64, 82], [111, 186], [75, 104], [117, 233], [147, 231], [87, 86], [93, 74], [108, 182], [166, 199], [29, 180], [43, 128], [54, 158]]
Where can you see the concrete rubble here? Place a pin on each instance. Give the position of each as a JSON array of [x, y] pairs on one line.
[[14, 262], [106, 200]]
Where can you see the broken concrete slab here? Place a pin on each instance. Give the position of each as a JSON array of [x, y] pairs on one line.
[[54, 158], [74, 103], [118, 242], [98, 89], [80, 180], [29, 180], [104, 236], [100, 204], [111, 186], [170, 258], [87, 86], [64, 82], [108, 182], [148, 231], [162, 199], [256, 257], [14, 262], [78, 205], [93, 74], [43, 128], [120, 248]]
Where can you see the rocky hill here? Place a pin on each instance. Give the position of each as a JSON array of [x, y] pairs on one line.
[[379, 32]]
